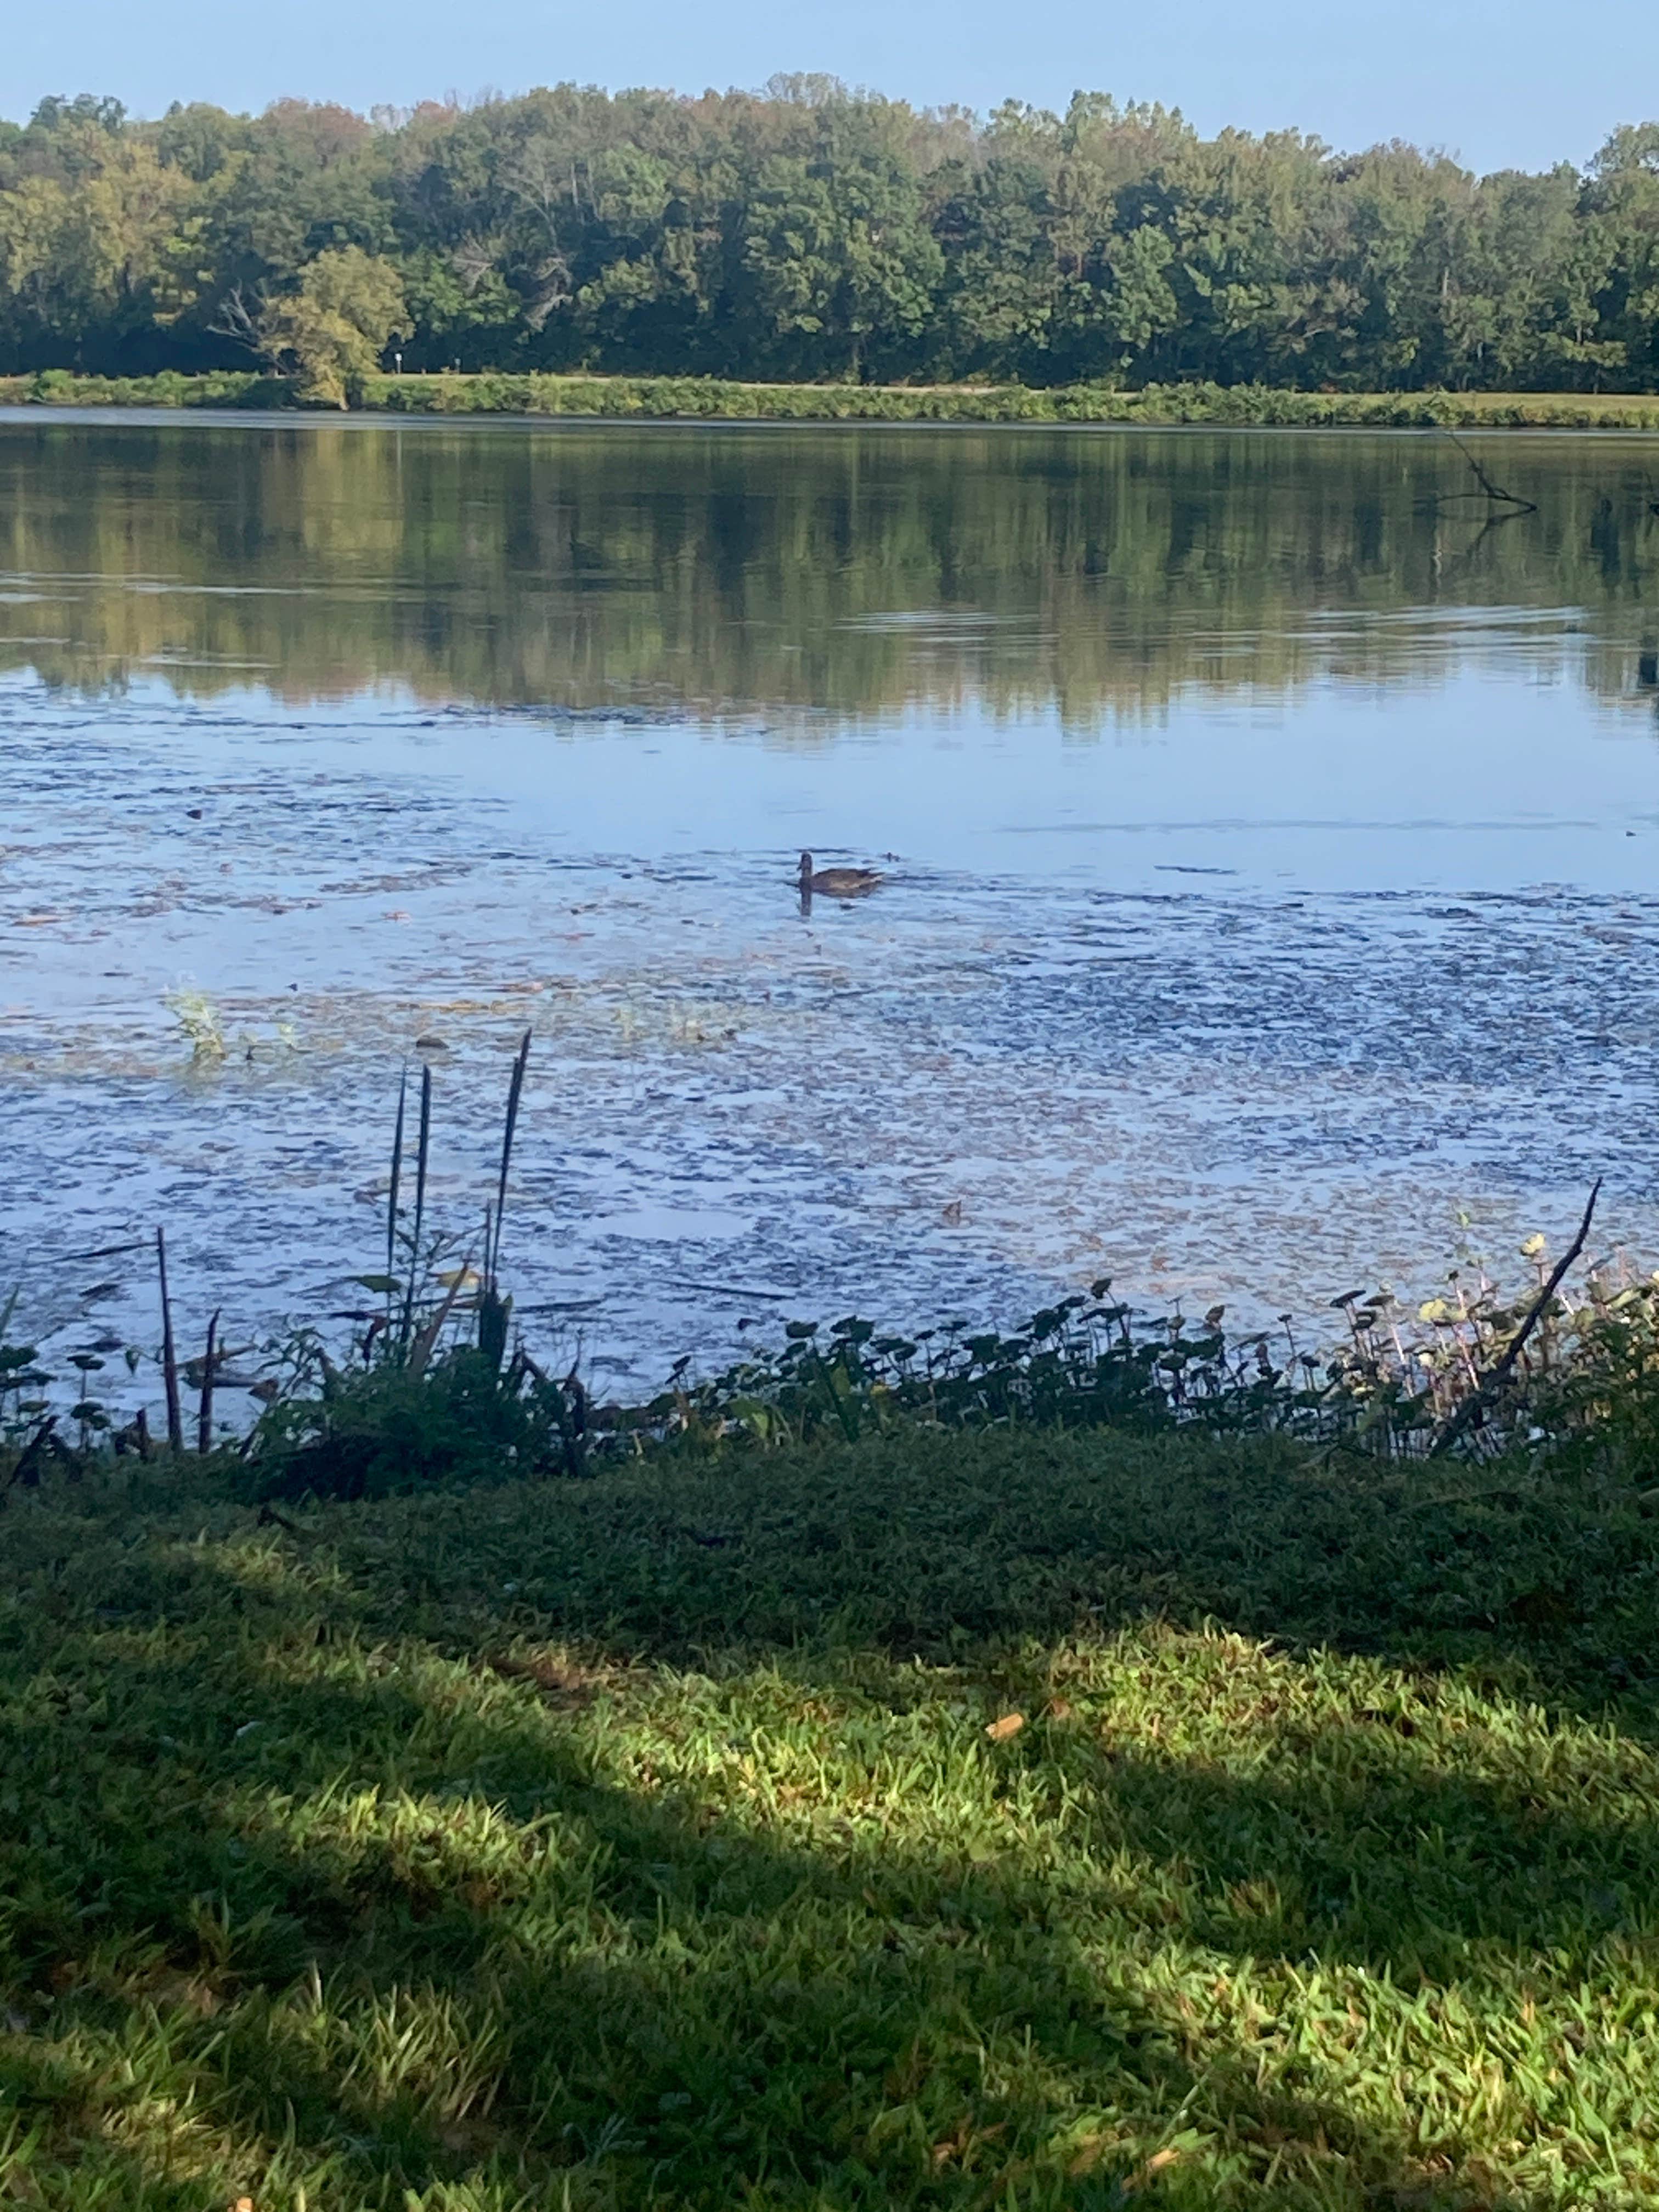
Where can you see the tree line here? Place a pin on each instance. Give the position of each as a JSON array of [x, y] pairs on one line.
[[807, 233]]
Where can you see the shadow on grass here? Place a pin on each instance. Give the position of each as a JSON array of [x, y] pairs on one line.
[[1548, 1588], [324, 1867], [676, 2009]]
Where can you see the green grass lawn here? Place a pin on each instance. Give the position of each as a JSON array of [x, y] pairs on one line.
[[998, 1821]]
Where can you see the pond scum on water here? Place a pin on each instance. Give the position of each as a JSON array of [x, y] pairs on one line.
[[432, 1382]]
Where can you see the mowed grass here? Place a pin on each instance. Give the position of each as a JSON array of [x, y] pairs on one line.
[[999, 1821]]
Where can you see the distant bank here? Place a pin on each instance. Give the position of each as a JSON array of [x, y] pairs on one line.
[[699, 399]]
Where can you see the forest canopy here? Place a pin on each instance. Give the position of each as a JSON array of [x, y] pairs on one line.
[[809, 232]]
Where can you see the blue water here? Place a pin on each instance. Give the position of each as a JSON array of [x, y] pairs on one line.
[[1233, 990]]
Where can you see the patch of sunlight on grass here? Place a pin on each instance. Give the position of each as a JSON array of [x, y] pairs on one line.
[[1030, 1832]]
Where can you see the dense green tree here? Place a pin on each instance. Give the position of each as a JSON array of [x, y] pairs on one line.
[[330, 332], [844, 267], [810, 232], [998, 298], [1624, 195]]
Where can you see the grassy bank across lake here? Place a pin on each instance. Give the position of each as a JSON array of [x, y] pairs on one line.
[[998, 1820], [700, 398]]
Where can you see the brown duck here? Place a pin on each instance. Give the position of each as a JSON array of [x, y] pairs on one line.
[[836, 883]]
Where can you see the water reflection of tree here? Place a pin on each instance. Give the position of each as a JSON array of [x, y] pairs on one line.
[[834, 572]]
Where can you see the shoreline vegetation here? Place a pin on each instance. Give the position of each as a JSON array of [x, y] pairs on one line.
[[713, 399], [427, 1381], [1112, 1763], [1095, 1766]]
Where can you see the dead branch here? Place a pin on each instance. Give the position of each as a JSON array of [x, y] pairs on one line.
[[245, 326], [1473, 1404], [1489, 490], [27, 1469], [476, 256]]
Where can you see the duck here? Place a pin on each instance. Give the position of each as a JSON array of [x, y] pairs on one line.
[[836, 883]]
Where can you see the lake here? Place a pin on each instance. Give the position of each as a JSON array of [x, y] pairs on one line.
[[1270, 828]]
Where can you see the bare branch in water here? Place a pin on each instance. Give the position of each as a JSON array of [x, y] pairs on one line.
[[1490, 490], [1470, 1406]]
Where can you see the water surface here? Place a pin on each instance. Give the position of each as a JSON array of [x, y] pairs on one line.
[[1273, 904]]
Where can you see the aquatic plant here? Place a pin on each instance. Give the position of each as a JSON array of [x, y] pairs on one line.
[[428, 1390], [201, 1022], [1473, 1372], [22, 1379], [436, 1383]]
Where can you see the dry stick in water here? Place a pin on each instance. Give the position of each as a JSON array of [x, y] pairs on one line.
[[1496, 493], [1470, 1409], [169, 1359], [204, 1417]]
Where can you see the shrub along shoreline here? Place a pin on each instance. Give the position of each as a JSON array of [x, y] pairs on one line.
[[645, 398], [435, 1382]]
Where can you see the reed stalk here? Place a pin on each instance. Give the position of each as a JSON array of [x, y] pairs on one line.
[[396, 1177], [422, 1161], [204, 1414], [515, 1091], [169, 1356]]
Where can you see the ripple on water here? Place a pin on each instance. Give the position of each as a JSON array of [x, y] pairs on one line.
[[1143, 1013], [958, 1097]]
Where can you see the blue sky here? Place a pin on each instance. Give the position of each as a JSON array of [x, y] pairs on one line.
[[1498, 83]]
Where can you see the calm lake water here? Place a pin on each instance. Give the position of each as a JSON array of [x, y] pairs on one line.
[[1272, 835]]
